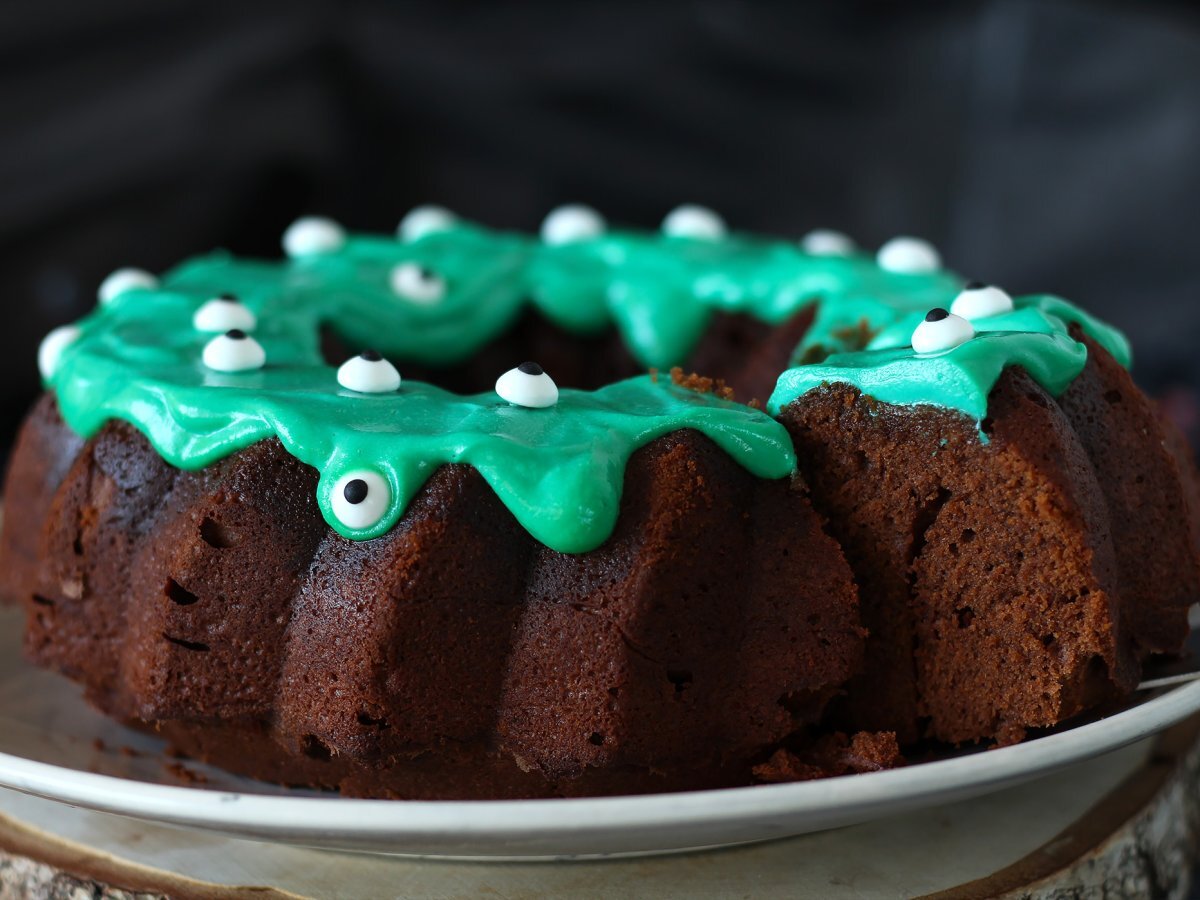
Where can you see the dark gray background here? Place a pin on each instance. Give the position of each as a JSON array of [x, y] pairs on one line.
[[1043, 145]]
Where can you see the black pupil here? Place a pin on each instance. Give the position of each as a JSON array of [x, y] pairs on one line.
[[530, 368], [355, 491], [974, 286], [936, 315], [228, 298], [371, 355], [236, 334]]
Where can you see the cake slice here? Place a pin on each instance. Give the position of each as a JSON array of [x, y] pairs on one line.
[[970, 487]]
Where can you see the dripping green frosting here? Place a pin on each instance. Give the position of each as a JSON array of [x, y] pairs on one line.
[[960, 378], [559, 470]]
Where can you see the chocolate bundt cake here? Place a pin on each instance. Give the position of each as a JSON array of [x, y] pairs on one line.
[[232, 521]]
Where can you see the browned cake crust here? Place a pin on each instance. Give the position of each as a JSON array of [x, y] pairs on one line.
[[1185, 458], [453, 657], [1145, 489], [43, 452]]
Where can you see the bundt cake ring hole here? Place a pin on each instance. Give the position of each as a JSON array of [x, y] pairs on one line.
[[586, 363], [744, 352]]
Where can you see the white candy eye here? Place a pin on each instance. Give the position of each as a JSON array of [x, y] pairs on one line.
[[697, 222], [908, 256], [313, 236], [940, 331], [368, 373], [979, 300], [234, 351], [423, 220], [527, 385], [571, 223], [418, 284], [826, 242], [52, 347], [360, 499], [124, 280], [224, 313]]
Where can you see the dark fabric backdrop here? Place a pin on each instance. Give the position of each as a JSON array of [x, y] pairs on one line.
[[1042, 145]]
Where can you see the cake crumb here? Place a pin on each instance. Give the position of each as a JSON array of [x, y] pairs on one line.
[[183, 773], [832, 755], [784, 766], [857, 335], [701, 384], [1008, 734], [871, 751]]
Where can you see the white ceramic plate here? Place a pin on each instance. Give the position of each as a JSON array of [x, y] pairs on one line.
[[49, 747]]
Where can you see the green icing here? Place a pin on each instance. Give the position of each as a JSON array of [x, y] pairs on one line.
[[846, 321], [1033, 335], [960, 378], [350, 291], [1111, 339], [1043, 313], [559, 470], [658, 292]]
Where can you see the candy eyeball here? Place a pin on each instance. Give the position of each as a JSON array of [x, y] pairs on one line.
[[697, 222], [360, 499], [52, 347], [908, 256], [313, 236], [124, 280], [234, 351], [571, 223], [368, 373], [978, 301], [527, 385], [827, 242], [941, 330], [224, 313], [423, 220], [416, 283]]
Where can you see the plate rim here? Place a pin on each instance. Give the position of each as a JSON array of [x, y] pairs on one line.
[[346, 818]]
